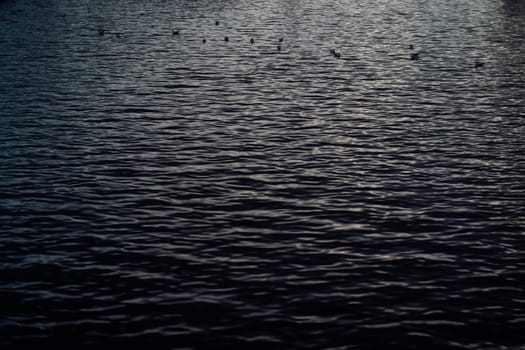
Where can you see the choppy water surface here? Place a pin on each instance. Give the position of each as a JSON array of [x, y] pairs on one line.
[[159, 191]]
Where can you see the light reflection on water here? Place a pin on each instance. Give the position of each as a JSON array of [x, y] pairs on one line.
[[158, 189]]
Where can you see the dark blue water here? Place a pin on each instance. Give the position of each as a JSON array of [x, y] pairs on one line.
[[157, 191]]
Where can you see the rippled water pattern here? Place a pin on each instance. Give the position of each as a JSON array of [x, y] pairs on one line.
[[157, 191]]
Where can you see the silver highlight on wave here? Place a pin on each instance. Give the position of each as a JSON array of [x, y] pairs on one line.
[[280, 174]]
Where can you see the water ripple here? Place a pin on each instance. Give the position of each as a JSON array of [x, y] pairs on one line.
[[159, 190]]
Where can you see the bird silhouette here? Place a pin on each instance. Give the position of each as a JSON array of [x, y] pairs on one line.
[[216, 23], [281, 40], [175, 32], [252, 41], [101, 31], [479, 64], [204, 40], [414, 56], [335, 53], [226, 38]]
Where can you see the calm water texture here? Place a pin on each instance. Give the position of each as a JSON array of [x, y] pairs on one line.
[[159, 191]]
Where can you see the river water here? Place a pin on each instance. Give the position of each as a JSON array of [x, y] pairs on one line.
[[157, 190]]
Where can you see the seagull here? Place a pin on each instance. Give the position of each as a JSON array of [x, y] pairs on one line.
[[226, 38], [252, 41], [281, 40], [414, 56], [204, 40], [479, 64], [216, 23], [175, 32]]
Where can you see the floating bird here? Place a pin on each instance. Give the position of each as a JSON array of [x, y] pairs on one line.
[[479, 64], [252, 41], [101, 31], [117, 35], [411, 47], [226, 38], [335, 53], [281, 40], [216, 23], [175, 32], [204, 40], [414, 56]]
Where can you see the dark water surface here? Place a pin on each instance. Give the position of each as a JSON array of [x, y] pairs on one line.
[[157, 191]]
